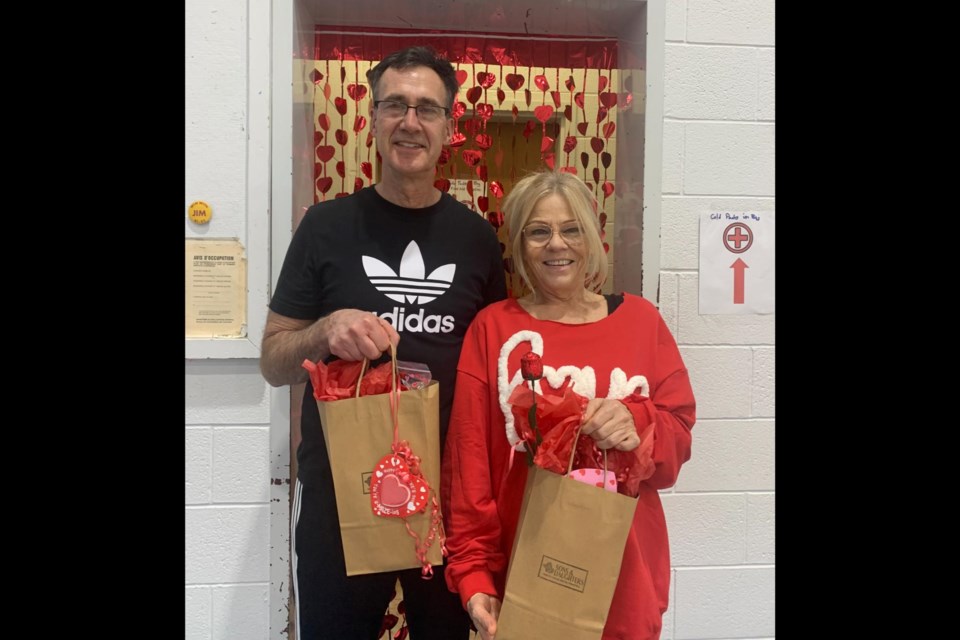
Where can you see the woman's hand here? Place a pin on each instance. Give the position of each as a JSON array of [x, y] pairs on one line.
[[484, 610], [610, 424]]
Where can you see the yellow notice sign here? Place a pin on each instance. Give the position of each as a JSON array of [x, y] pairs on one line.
[[216, 289]]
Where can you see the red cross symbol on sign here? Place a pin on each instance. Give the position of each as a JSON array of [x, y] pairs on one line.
[[737, 237]]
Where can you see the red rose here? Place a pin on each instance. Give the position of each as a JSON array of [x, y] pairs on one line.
[[531, 368]]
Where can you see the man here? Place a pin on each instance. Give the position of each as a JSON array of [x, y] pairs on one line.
[[331, 301]]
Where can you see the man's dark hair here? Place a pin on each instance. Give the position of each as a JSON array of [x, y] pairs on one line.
[[417, 57]]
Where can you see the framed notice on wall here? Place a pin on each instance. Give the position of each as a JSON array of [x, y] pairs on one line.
[[216, 289]]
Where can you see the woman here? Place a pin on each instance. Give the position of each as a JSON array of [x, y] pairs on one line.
[[615, 350]]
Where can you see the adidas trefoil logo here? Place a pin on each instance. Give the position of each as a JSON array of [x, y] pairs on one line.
[[411, 285]]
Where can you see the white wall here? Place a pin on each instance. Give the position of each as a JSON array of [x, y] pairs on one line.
[[718, 151], [718, 155]]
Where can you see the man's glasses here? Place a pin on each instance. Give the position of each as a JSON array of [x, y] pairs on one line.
[[425, 112], [537, 235]]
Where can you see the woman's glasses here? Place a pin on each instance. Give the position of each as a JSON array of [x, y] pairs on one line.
[[537, 235]]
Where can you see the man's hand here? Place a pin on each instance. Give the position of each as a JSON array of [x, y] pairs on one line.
[[354, 335], [484, 610]]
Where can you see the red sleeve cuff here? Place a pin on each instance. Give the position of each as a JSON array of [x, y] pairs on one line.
[[477, 582]]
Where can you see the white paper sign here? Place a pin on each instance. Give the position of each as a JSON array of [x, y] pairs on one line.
[[737, 263]]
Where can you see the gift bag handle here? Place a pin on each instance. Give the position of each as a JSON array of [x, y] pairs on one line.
[[573, 452], [394, 389]]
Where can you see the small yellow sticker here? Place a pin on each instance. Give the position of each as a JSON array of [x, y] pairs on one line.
[[199, 212]]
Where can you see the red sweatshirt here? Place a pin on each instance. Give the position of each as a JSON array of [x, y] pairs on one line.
[[629, 355]]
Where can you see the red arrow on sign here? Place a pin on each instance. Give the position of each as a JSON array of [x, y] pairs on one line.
[[738, 270]]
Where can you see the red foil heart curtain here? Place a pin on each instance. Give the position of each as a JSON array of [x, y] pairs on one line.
[[524, 103]]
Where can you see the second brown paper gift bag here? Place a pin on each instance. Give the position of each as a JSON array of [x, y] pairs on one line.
[[363, 435], [566, 559]]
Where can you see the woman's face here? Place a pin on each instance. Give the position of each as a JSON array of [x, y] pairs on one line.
[[558, 266]]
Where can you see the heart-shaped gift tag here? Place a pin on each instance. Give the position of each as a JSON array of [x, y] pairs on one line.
[[394, 491]]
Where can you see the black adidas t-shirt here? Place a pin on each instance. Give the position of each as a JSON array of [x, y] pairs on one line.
[[427, 271]]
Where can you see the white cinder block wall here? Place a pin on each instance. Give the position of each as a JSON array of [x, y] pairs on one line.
[[718, 155]]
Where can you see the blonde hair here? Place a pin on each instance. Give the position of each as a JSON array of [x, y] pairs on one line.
[[531, 189]]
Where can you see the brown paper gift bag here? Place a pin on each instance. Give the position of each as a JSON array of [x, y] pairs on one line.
[[566, 559], [359, 433]]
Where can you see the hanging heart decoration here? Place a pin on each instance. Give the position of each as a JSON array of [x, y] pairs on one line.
[[582, 128], [528, 129], [569, 144], [459, 109], [570, 84], [549, 160], [482, 203], [514, 81], [556, 98], [626, 99], [485, 111], [484, 141], [367, 169], [596, 144], [541, 81], [545, 144], [608, 129], [457, 139], [482, 172], [324, 121], [316, 76], [501, 96], [472, 157], [601, 114], [496, 189], [394, 491], [568, 113], [317, 137], [602, 83], [325, 152], [543, 113], [359, 123], [596, 174], [473, 94], [357, 184], [324, 184], [341, 169], [461, 77], [442, 184], [341, 136], [606, 159], [357, 91], [486, 79], [608, 99], [341, 105], [578, 98], [607, 189]]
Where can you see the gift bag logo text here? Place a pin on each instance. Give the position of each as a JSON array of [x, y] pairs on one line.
[[365, 479], [563, 574]]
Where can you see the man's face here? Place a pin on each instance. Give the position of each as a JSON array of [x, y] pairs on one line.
[[410, 145]]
